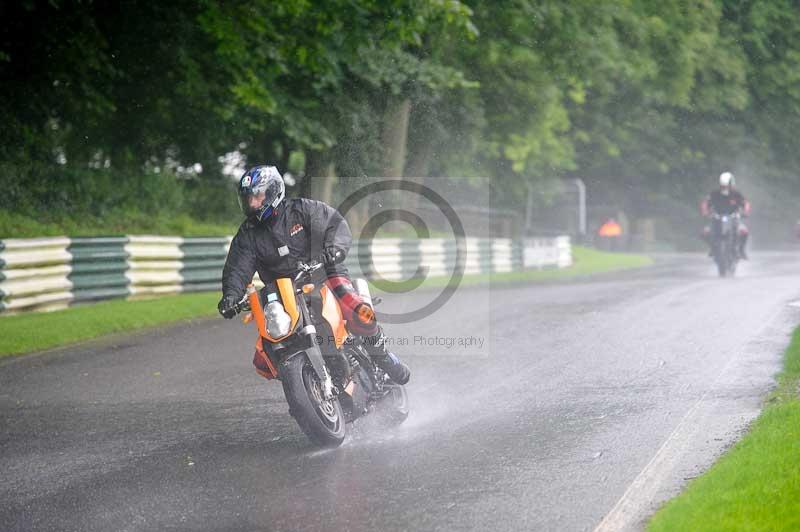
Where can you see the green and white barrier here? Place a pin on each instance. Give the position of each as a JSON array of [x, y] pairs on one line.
[[546, 252], [53, 273], [168, 265], [34, 273]]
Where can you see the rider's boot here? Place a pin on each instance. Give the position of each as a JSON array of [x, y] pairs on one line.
[[385, 359], [706, 236], [742, 245]]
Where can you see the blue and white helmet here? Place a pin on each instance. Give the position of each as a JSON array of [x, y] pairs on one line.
[[260, 180]]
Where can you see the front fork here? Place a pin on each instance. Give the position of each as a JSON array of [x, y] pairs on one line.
[[313, 352]]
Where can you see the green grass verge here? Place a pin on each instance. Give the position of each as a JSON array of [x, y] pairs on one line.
[[755, 485], [25, 333], [586, 262], [13, 225]]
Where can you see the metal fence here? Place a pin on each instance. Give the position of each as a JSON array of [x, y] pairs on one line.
[[53, 273]]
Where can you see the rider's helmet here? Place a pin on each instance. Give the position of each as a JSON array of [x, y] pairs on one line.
[[261, 190], [726, 181]]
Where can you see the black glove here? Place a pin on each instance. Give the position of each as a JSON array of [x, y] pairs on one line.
[[227, 307], [333, 255]]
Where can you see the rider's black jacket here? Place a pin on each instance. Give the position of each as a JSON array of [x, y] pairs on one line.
[[725, 204], [299, 230]]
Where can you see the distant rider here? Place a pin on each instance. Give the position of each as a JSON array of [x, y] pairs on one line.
[[726, 200], [278, 233]]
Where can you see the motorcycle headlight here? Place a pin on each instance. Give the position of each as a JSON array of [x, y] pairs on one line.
[[278, 321]]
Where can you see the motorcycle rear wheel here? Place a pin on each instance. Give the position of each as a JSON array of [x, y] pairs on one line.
[[322, 421], [393, 407]]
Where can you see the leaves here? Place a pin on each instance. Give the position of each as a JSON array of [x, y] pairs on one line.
[[622, 94]]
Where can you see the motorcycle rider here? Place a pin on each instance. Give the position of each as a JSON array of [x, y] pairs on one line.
[[277, 233], [726, 200]]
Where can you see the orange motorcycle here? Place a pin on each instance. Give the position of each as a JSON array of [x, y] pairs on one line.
[[328, 378]]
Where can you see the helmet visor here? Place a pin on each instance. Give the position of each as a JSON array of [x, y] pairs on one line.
[[257, 200]]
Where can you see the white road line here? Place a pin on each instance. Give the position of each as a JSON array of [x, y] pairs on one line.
[[641, 492]]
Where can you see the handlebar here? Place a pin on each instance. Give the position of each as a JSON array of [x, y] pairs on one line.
[[736, 214], [243, 304], [306, 270]]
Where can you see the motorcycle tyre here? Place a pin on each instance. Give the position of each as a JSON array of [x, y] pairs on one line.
[[393, 409], [295, 374], [721, 258], [721, 268]]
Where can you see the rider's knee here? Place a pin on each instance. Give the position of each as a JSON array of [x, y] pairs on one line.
[[349, 302]]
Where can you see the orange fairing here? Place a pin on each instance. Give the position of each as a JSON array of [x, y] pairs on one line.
[[286, 290], [263, 364], [257, 310], [333, 315]]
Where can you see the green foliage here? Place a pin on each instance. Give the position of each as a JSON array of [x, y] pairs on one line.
[[314, 74], [44, 200], [641, 99], [115, 223]]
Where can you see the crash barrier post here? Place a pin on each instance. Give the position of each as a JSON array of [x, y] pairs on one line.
[[53, 273]]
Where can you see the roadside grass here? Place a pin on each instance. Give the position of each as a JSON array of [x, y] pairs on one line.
[[26, 333], [14, 225], [756, 484], [586, 262]]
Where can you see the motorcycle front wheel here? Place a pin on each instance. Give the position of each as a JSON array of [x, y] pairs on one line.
[[321, 420], [721, 258]]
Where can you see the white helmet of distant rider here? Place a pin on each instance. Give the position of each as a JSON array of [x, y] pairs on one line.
[[726, 181]]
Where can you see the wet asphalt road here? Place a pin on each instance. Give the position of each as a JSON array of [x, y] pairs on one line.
[[577, 392]]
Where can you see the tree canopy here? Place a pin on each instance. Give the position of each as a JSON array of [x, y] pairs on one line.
[[102, 102]]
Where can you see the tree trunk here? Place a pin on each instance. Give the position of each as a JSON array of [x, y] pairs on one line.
[[394, 135], [417, 166], [283, 161], [319, 177]]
